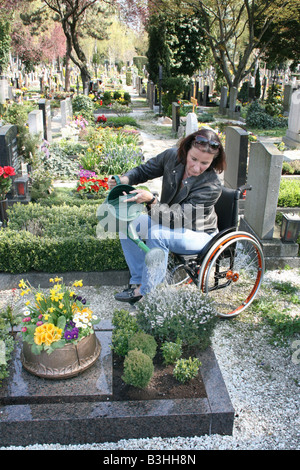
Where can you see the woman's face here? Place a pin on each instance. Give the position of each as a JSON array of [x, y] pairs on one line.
[[197, 161]]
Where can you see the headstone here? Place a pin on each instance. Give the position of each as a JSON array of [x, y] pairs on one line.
[[44, 106], [206, 95], [264, 175], [292, 137], [35, 122], [236, 149], [175, 116], [66, 111], [9, 151], [287, 97], [223, 100], [3, 90], [231, 113], [9, 148], [191, 124]]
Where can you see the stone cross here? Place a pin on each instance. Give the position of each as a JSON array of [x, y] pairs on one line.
[[194, 99]]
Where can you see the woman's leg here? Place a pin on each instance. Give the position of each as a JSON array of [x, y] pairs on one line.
[[135, 256], [181, 241]]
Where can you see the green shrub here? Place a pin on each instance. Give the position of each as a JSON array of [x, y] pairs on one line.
[[289, 193], [6, 349], [125, 326], [22, 251], [171, 351], [83, 105], [185, 313], [143, 342], [257, 117], [186, 369], [138, 369]]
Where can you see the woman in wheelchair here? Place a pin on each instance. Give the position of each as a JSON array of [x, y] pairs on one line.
[[184, 220]]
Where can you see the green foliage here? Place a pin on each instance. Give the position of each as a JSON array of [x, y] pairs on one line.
[[173, 89], [23, 251], [274, 101], [138, 369], [169, 313], [125, 326], [143, 342], [289, 193], [83, 105], [258, 117], [171, 351], [186, 369], [6, 349], [5, 40], [291, 168]]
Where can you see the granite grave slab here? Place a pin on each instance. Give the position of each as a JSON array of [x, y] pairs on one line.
[[82, 410]]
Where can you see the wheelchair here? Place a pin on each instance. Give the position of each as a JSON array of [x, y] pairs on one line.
[[230, 268]]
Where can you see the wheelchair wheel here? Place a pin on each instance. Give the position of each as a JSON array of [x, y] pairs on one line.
[[232, 272]]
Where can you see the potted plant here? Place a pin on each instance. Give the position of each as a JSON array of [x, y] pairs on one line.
[[5, 185], [57, 330]]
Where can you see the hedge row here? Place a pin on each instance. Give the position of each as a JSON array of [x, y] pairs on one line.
[[23, 252]]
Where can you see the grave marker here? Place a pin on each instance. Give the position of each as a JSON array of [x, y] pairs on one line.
[[9, 155], [223, 100], [35, 122], [292, 137], [236, 149], [44, 106], [175, 116]]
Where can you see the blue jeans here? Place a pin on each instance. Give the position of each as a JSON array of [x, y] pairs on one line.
[[180, 241]]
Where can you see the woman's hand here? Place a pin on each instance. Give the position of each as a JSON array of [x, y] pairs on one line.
[[112, 182], [140, 196]]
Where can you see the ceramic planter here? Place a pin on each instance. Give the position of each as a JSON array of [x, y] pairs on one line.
[[63, 363]]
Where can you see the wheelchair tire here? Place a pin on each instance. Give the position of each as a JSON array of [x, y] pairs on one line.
[[231, 273]]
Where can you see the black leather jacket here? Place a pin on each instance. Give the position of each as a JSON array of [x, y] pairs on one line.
[[192, 204]]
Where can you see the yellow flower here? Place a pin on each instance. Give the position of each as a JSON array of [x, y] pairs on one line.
[[39, 297], [77, 283], [61, 306], [22, 284], [57, 279], [46, 317], [51, 279], [28, 302]]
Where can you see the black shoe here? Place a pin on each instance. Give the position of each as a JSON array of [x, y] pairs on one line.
[[128, 296]]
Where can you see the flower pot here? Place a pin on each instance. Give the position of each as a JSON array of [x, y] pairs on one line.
[[62, 363], [3, 210]]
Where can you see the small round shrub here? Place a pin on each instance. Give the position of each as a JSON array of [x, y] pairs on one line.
[[171, 351], [138, 369], [125, 326], [143, 342]]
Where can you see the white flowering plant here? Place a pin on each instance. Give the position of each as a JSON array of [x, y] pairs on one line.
[[169, 314]]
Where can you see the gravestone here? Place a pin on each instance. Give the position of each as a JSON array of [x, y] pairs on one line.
[[260, 206], [9, 155], [175, 116], [223, 100], [292, 137], [66, 111], [264, 174], [206, 95], [9, 148], [44, 106], [3, 90], [236, 149], [287, 97], [35, 123], [191, 124], [231, 112]]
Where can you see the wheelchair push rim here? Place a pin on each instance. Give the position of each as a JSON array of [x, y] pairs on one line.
[[232, 272]]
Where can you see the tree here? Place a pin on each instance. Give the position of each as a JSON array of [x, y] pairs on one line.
[[73, 14], [229, 26]]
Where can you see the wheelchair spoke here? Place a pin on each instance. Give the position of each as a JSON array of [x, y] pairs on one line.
[[233, 275]]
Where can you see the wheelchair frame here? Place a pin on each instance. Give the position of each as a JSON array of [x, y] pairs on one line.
[[232, 261]]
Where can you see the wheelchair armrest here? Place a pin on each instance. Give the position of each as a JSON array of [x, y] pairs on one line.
[[241, 191]]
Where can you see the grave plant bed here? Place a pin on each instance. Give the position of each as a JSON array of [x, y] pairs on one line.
[[163, 385]]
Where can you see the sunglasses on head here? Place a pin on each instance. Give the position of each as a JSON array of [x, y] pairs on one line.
[[213, 144]]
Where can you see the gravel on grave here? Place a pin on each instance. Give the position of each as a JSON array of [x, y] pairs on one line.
[[262, 380]]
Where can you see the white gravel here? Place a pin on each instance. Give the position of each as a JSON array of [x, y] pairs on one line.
[[262, 380]]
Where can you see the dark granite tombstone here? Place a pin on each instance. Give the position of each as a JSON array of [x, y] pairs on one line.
[[44, 105], [8, 147], [175, 116]]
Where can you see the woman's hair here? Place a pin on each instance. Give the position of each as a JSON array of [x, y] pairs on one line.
[[219, 161]]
